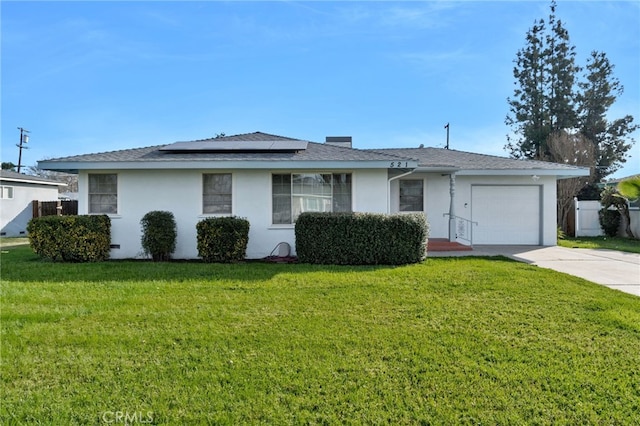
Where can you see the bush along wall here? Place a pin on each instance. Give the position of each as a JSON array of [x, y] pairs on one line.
[[159, 235], [223, 239], [84, 238], [361, 238]]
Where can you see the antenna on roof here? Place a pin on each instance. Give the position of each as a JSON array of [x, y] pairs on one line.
[[447, 127]]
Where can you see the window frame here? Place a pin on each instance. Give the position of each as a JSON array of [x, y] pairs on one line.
[[293, 194], [90, 194], [230, 194], [421, 196], [9, 190]]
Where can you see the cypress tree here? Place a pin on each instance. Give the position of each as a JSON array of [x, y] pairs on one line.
[[529, 117], [544, 98], [598, 92], [561, 72], [548, 99]]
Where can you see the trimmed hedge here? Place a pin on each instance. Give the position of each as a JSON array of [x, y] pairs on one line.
[[84, 238], [158, 235], [361, 238], [223, 239], [609, 221]]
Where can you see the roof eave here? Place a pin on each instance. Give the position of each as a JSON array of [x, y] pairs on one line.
[[559, 173], [37, 182], [437, 169], [75, 166]]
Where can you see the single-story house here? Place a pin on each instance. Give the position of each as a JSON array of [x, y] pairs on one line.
[[18, 193], [270, 180]]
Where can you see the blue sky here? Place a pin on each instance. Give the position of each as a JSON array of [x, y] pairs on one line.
[[94, 76]]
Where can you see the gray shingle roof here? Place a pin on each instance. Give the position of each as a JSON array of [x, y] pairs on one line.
[[15, 176], [440, 157], [314, 152], [255, 136]]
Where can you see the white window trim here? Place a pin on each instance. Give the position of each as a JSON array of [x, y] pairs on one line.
[[291, 173], [424, 196], [233, 194], [111, 215], [10, 189]]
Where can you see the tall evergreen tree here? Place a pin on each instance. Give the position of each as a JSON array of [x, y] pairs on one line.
[[528, 116], [544, 99], [561, 72], [549, 99], [598, 92]]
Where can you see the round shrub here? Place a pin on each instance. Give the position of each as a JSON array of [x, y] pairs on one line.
[[223, 239], [609, 221], [159, 235]]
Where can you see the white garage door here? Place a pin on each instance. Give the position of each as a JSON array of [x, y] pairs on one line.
[[506, 214]]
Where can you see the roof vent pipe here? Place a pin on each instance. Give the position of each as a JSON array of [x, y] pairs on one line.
[[343, 141]]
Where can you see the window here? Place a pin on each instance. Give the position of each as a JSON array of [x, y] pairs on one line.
[[216, 193], [103, 193], [411, 196], [6, 192], [293, 194], [342, 192], [281, 198]]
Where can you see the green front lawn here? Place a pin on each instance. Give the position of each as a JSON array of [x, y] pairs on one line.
[[610, 243], [448, 341]]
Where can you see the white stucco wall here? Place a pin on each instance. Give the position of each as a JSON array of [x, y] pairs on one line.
[[180, 192], [548, 199], [436, 199], [15, 213]]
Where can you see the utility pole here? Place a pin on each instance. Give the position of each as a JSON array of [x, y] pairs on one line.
[[447, 127], [24, 138]]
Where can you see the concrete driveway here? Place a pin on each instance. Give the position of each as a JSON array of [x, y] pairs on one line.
[[614, 269]]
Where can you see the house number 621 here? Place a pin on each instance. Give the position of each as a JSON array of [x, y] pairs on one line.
[[397, 164]]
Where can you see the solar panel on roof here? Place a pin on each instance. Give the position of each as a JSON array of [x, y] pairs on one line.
[[235, 146]]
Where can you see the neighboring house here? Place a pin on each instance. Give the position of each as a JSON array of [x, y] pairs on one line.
[[270, 180], [18, 193]]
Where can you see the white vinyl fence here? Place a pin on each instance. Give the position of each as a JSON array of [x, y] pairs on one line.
[[588, 224]]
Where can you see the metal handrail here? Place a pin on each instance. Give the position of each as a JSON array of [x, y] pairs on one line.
[[470, 227]]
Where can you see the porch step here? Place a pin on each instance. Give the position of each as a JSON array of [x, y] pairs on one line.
[[442, 244]]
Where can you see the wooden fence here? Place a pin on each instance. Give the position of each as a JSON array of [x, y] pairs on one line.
[[54, 208]]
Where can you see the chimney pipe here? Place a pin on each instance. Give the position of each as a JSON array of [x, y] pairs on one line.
[[343, 141]]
